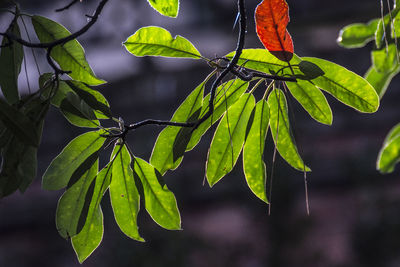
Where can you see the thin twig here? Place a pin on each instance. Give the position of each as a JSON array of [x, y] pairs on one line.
[[67, 6], [62, 40]]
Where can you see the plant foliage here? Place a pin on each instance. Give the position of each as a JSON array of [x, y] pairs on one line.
[[243, 119]]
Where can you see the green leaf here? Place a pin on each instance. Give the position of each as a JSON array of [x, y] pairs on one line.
[[380, 80], [160, 203], [92, 98], [389, 155], [11, 57], [125, 199], [393, 133], [312, 100], [18, 166], [77, 112], [69, 56], [167, 8], [19, 124], [156, 41], [357, 34], [27, 167], [73, 206], [380, 33], [73, 155], [395, 27], [262, 60], [348, 87], [253, 164], [229, 139], [385, 59], [281, 132], [91, 235], [226, 95], [168, 150]]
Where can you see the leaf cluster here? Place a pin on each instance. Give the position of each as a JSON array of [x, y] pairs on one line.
[[383, 33], [243, 120]]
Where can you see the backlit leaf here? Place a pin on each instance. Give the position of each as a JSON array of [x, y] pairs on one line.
[[91, 234], [69, 56], [168, 150], [125, 199], [166, 7], [385, 59], [312, 100], [389, 155], [346, 86], [156, 41], [92, 98], [73, 155], [281, 132], [226, 95], [253, 163], [393, 133], [73, 206], [228, 139], [160, 203], [357, 34], [77, 112], [263, 61], [272, 18], [11, 57]]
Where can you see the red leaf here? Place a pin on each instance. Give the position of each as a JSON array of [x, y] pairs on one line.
[[272, 18]]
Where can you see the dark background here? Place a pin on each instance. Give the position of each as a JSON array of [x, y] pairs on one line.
[[355, 218]]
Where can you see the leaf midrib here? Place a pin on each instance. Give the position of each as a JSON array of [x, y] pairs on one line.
[[233, 133], [151, 189], [161, 45], [66, 51]]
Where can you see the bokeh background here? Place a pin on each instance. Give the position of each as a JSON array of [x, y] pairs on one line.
[[355, 218]]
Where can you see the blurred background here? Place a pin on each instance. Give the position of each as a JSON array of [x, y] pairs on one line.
[[354, 219]]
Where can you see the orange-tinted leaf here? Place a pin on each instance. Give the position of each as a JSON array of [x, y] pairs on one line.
[[272, 18]]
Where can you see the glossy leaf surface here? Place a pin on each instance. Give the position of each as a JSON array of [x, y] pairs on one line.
[[156, 41], [11, 56], [228, 139], [166, 7], [70, 56], [281, 132], [73, 155], [272, 18], [253, 161], [124, 195], [159, 201]]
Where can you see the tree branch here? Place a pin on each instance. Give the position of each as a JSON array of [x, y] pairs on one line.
[[231, 65], [62, 40], [67, 6]]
